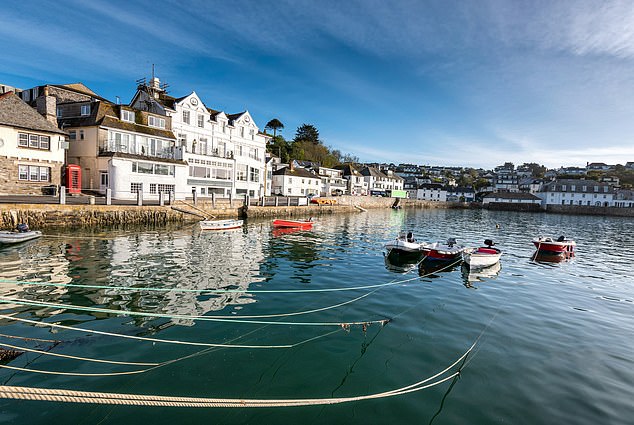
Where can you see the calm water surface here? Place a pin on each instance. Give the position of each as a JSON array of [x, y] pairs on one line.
[[554, 341]]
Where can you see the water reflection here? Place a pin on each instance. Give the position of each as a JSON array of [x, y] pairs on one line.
[[471, 276], [400, 261], [547, 257], [431, 268]]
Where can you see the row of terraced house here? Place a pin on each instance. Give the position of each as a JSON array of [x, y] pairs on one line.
[[155, 144]]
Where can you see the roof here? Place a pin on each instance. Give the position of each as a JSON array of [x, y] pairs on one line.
[[373, 172], [513, 195], [79, 87], [575, 185], [15, 113], [296, 172], [233, 117], [348, 170], [106, 114]]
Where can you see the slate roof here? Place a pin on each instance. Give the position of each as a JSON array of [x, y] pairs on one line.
[[15, 113], [557, 186], [513, 195], [106, 114], [297, 172]]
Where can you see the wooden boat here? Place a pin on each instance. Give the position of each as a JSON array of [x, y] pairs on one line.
[[405, 243], [443, 251], [220, 224], [7, 237], [555, 246], [298, 224], [484, 256]]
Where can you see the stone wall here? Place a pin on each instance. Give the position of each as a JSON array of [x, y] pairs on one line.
[[11, 185], [39, 216], [590, 210]]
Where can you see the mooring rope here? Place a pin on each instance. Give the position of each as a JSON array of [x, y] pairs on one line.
[[20, 301], [66, 356], [147, 339], [28, 339], [70, 396]]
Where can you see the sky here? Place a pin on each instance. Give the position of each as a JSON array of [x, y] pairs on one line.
[[450, 83]]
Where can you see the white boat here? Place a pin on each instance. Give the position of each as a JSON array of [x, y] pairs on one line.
[[405, 243], [17, 237], [220, 224], [484, 256]]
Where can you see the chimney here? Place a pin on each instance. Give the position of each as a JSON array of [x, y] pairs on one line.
[[47, 106]]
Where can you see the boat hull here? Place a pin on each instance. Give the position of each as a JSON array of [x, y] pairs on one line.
[[9, 238], [220, 224], [549, 245], [298, 224], [481, 257]]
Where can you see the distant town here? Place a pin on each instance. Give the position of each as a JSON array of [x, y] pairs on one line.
[[66, 136]]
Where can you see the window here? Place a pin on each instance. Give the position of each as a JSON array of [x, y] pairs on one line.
[[157, 122], [127, 115], [85, 110], [242, 132], [23, 140], [186, 117], [241, 172], [81, 134], [45, 142], [254, 174], [59, 112], [201, 121], [23, 172], [135, 187], [33, 173], [72, 134], [34, 141]]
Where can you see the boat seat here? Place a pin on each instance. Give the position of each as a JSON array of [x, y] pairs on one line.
[[487, 250]]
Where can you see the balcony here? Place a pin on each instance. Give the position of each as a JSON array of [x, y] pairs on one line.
[[168, 152]]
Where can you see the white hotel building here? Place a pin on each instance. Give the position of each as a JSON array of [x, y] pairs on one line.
[[225, 153]]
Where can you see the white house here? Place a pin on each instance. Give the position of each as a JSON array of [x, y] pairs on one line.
[[431, 192], [332, 181], [511, 198], [356, 183], [380, 183], [577, 192], [295, 181], [31, 147]]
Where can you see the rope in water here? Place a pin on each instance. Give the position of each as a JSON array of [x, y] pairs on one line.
[[69, 396], [147, 339], [20, 301], [27, 339], [48, 353]]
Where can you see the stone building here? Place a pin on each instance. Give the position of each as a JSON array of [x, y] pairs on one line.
[[31, 148]]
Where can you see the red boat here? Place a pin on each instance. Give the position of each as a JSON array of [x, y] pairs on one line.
[[443, 251], [296, 224], [561, 245]]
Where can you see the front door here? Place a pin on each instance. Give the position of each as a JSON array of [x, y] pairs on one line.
[[103, 181]]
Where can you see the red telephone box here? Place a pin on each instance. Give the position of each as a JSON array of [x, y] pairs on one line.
[[73, 178]]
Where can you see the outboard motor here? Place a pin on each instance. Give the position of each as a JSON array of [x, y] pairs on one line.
[[489, 243], [451, 242], [22, 227], [561, 238]]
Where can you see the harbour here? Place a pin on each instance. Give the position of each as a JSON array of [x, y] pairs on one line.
[[317, 314]]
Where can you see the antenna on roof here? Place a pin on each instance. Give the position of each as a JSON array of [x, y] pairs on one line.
[[152, 71]]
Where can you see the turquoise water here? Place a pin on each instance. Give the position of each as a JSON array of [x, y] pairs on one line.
[[554, 341]]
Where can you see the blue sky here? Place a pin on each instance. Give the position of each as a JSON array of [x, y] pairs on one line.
[[427, 82]]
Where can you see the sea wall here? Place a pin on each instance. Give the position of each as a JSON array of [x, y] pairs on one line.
[[513, 206], [38, 216], [590, 210]]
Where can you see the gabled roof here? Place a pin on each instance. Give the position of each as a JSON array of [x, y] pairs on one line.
[[15, 113], [80, 88], [296, 172], [233, 117], [348, 170]]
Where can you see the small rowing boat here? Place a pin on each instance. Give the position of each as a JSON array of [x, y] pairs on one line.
[[484, 256], [220, 224], [298, 224]]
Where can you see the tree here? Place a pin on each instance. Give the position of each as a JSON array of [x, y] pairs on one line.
[[308, 133], [274, 125]]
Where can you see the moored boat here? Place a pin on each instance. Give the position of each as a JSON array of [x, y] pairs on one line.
[[485, 256], [405, 243], [556, 246], [443, 251], [8, 238], [299, 224], [221, 224]]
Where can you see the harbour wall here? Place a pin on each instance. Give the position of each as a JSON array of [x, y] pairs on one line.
[[590, 210]]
